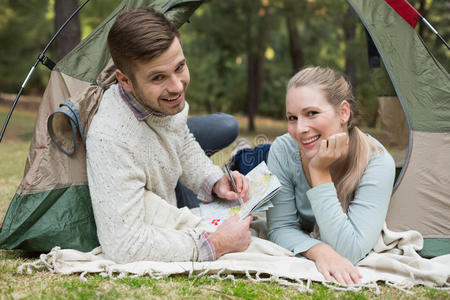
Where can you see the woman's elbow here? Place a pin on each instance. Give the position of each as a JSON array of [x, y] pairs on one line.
[[355, 254], [356, 257]]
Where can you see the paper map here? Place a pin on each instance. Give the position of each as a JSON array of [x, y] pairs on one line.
[[263, 186]]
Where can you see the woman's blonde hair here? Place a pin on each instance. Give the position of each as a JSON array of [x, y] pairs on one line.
[[337, 89]]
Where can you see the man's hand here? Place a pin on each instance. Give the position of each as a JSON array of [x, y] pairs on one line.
[[233, 235], [224, 189], [330, 263]]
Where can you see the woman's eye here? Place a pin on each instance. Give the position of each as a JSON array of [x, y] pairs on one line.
[[311, 113], [292, 118]]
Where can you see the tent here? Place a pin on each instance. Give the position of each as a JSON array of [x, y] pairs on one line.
[[52, 205]]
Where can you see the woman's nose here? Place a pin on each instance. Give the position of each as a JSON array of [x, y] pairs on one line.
[[302, 125]]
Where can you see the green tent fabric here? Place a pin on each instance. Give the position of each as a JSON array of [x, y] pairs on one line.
[[52, 205], [56, 217]]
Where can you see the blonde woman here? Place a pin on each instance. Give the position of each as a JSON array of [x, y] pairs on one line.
[[336, 181]]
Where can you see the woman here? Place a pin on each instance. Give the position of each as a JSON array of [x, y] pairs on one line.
[[336, 181]]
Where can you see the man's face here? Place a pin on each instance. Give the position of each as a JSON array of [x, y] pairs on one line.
[[160, 83]]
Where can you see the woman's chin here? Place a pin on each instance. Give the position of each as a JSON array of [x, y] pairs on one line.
[[308, 154]]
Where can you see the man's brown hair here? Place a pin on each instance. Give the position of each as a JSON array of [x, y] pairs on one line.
[[139, 35]]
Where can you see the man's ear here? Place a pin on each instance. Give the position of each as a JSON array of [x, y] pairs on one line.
[[124, 80], [344, 112]]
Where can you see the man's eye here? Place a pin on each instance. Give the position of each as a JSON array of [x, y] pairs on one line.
[[311, 113], [292, 118], [158, 78], [180, 67]]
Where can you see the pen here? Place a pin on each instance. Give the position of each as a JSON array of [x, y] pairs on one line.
[[233, 183]]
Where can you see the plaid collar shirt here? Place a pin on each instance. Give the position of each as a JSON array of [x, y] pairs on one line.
[[140, 111]]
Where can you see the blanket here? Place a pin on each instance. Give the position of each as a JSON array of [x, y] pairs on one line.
[[393, 260]]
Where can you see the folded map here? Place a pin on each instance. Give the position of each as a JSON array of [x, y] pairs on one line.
[[263, 185]]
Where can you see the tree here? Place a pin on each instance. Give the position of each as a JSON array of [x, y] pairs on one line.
[[257, 29], [225, 56], [293, 10], [25, 27], [71, 35], [349, 26], [438, 14], [215, 57]]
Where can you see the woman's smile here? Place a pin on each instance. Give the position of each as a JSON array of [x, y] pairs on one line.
[[310, 141]]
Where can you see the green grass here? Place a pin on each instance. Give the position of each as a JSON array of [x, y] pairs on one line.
[[13, 153], [20, 126], [44, 285], [12, 163]]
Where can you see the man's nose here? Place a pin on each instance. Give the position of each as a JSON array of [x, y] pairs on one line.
[[175, 85]]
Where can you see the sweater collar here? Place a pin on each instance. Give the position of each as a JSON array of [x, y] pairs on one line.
[[140, 111]]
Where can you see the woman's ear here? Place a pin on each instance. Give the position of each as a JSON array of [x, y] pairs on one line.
[[124, 81], [344, 112]]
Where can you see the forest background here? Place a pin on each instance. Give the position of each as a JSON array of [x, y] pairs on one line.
[[241, 53]]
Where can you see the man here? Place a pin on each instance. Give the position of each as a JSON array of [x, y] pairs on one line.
[[139, 146]]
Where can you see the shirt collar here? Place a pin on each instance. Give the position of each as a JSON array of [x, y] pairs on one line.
[[140, 111]]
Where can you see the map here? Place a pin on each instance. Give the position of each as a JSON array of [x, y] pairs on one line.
[[263, 186]]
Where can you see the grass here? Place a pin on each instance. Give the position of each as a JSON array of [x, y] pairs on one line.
[[44, 285], [13, 153]]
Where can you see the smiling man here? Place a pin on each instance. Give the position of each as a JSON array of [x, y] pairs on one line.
[[159, 84], [139, 146]]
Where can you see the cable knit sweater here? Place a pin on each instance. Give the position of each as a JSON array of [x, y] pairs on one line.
[[133, 167]]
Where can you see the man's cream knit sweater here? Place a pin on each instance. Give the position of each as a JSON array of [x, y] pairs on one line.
[[133, 167]]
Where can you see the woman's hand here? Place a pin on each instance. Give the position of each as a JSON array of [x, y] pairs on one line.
[[224, 189], [331, 264], [330, 151]]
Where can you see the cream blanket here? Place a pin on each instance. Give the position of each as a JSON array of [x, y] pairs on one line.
[[393, 260]]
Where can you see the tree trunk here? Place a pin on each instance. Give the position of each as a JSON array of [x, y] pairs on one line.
[[70, 36], [256, 45], [349, 25], [255, 68], [295, 48]]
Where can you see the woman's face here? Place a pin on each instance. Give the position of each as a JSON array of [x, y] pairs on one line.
[[311, 119]]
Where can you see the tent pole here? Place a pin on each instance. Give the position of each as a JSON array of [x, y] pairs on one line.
[[43, 59], [434, 31]]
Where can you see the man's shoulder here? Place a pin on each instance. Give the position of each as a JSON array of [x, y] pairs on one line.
[[112, 117], [111, 103]]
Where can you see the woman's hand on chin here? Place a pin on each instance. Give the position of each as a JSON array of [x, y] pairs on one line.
[[330, 151], [331, 264]]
